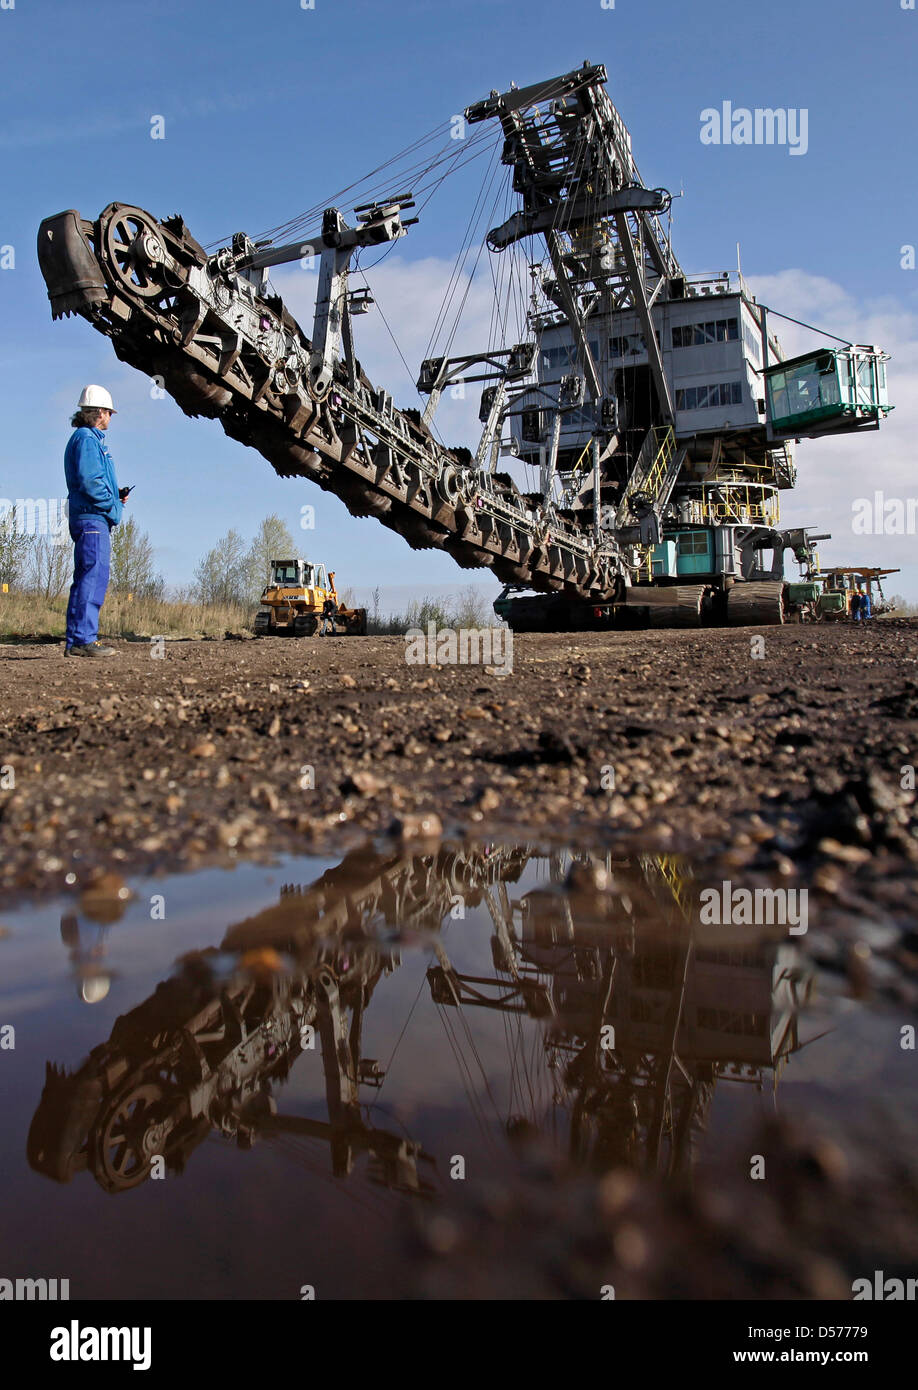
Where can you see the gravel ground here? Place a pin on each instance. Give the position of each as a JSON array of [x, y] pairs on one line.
[[789, 764]]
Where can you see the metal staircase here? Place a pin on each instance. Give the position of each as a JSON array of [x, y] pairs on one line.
[[654, 474]]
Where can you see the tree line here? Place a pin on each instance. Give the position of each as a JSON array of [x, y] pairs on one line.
[[231, 572], [235, 572]]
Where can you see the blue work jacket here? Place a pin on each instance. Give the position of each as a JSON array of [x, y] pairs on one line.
[[92, 488]]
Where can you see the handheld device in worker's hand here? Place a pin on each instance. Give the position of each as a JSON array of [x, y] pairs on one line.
[[124, 492]]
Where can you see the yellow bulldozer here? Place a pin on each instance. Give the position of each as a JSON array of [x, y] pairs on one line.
[[293, 601]]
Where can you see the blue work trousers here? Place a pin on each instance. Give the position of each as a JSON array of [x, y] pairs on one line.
[[92, 552]]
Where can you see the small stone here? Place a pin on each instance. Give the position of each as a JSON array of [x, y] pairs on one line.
[[263, 794], [847, 854], [362, 782], [347, 681], [827, 880], [274, 727], [204, 749], [230, 832]]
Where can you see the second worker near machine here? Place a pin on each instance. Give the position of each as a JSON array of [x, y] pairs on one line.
[[329, 613]]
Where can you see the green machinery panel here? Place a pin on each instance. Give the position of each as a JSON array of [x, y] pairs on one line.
[[807, 591], [694, 552]]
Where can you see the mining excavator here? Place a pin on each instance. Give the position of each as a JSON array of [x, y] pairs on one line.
[[637, 422]]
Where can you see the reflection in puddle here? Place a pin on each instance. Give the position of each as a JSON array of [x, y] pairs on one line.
[[621, 1017]]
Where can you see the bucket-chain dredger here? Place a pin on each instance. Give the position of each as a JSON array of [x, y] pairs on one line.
[[653, 411]]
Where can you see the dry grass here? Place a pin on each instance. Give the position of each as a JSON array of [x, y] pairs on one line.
[[27, 615]]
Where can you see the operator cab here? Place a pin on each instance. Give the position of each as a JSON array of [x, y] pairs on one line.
[[831, 391], [285, 573], [299, 574]]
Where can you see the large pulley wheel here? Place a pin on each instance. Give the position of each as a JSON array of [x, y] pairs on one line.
[[453, 487], [448, 486], [133, 1135], [135, 252]]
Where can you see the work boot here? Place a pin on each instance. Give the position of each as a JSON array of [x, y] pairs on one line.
[[89, 649]]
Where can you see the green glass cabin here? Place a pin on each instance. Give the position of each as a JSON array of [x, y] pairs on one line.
[[830, 391]]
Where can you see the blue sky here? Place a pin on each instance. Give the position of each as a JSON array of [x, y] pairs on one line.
[[271, 108]]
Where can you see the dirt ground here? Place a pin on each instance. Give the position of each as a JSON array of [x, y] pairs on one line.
[[793, 762]]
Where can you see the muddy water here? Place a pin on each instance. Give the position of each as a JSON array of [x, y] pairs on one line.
[[243, 1083]]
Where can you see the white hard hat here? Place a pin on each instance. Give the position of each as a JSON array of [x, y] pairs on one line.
[[98, 397], [94, 988]]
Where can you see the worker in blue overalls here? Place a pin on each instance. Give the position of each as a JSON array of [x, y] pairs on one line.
[[95, 505]]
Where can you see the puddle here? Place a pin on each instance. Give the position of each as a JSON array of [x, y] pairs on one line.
[[238, 1083]]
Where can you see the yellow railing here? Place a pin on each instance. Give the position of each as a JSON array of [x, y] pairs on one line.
[[673, 871], [575, 471], [666, 447], [741, 504]]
